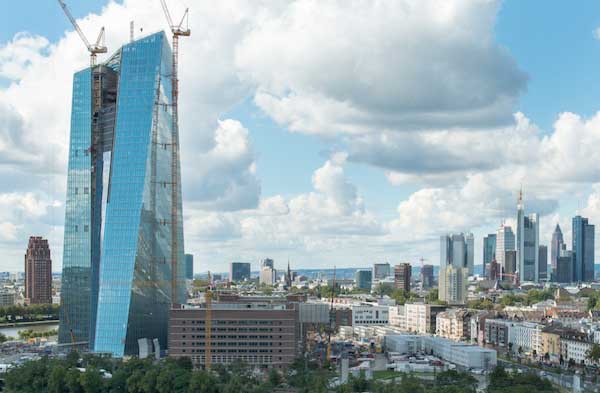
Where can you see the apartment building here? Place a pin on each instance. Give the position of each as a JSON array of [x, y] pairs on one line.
[[454, 324], [420, 317]]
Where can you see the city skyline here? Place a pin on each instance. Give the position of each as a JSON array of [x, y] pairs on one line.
[[342, 197]]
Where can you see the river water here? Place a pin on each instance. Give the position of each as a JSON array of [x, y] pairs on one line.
[[13, 331]]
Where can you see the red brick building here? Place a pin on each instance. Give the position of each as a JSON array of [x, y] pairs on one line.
[[38, 272]]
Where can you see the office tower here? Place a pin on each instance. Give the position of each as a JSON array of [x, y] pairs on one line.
[[452, 284], [268, 275], [427, 276], [505, 241], [528, 241], [402, 276], [564, 267], [556, 246], [364, 279], [267, 262], [494, 271], [457, 249], [118, 285], [445, 251], [189, 266], [381, 270], [470, 262], [38, 272], [543, 261], [583, 250], [260, 334], [489, 250], [239, 271], [510, 262]]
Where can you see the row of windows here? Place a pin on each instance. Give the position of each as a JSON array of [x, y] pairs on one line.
[[232, 322], [232, 351], [233, 344], [233, 337]]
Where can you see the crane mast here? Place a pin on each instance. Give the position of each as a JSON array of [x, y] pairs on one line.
[[178, 31], [97, 47], [208, 325]]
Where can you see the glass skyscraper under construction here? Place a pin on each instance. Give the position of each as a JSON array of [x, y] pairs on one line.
[[118, 266]]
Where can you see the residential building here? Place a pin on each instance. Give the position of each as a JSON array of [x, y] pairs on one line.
[[189, 266], [421, 318], [427, 276], [564, 267], [264, 335], [550, 346], [381, 271], [583, 250], [452, 284], [505, 242], [543, 263], [7, 298], [497, 332], [576, 349], [526, 337], [528, 242], [454, 324], [239, 271], [397, 317], [120, 271], [38, 272], [489, 250], [402, 276], [556, 247], [364, 279]]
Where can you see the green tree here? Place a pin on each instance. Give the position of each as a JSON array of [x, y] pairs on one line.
[[73, 381], [203, 382], [91, 381], [57, 380], [594, 353]]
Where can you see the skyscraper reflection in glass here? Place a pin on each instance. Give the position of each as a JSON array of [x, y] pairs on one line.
[[117, 264]]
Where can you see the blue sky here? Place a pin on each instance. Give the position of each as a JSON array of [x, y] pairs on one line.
[[327, 162]]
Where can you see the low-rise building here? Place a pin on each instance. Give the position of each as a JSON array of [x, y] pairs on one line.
[[369, 315], [461, 354], [260, 334], [575, 349]]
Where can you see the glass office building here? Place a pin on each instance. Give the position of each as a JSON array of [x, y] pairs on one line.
[[583, 250], [117, 267]]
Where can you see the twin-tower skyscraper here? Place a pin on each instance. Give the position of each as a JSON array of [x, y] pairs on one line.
[[117, 265]]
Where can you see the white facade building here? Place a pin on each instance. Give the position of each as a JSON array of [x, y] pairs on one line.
[[465, 355], [397, 317], [369, 315]]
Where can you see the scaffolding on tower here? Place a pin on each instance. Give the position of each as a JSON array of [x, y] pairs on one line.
[[178, 31]]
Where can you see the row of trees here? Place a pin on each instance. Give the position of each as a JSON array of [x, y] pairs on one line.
[[30, 313], [27, 334], [90, 375]]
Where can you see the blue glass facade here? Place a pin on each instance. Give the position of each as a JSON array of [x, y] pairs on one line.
[[76, 293], [583, 250], [133, 290]]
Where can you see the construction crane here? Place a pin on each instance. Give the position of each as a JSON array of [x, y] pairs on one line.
[[178, 31], [97, 47], [208, 324], [331, 317]]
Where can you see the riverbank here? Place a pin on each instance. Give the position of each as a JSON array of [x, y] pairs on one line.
[[30, 323]]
